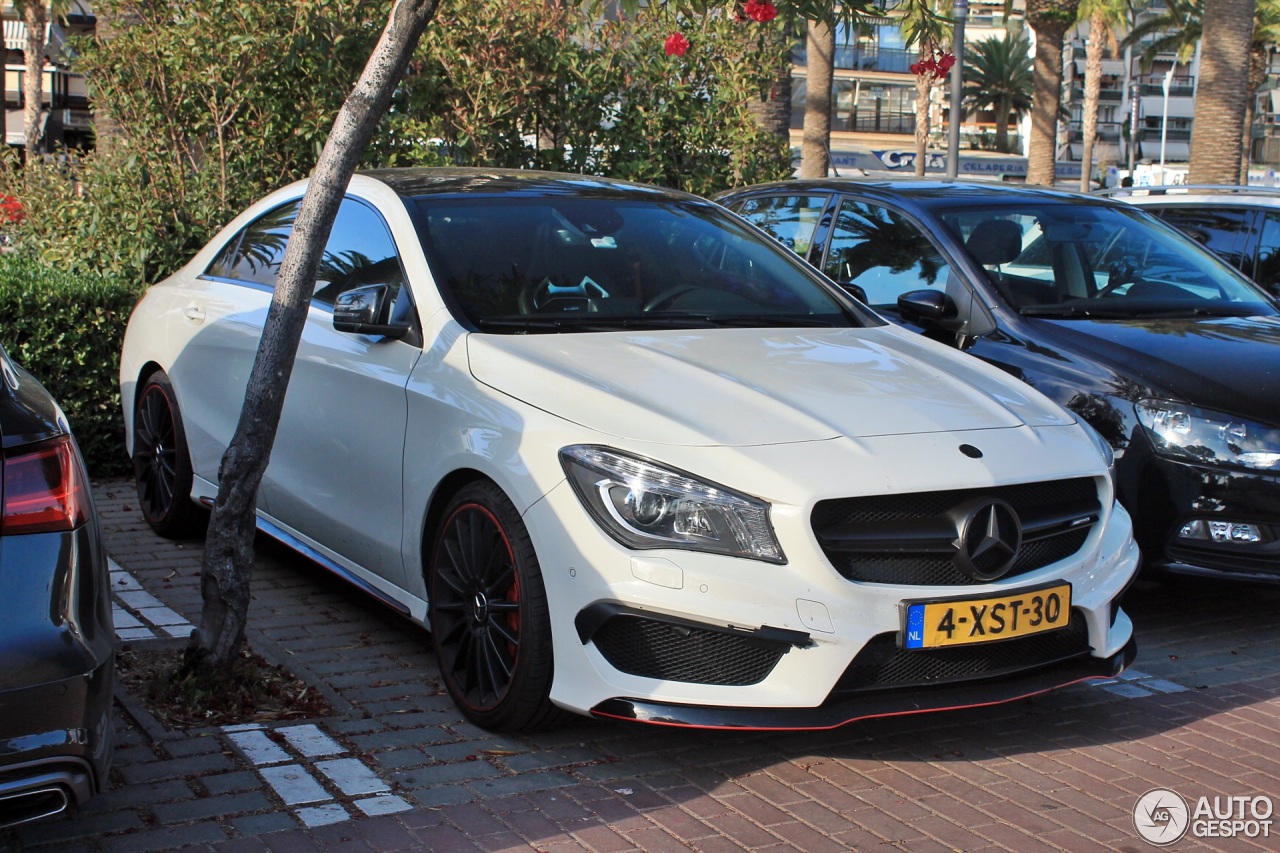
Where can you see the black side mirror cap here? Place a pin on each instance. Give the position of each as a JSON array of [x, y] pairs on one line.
[[367, 311], [930, 308]]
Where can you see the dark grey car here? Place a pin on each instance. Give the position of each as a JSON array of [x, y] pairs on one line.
[[57, 662]]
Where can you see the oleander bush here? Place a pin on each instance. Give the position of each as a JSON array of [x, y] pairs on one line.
[[67, 329]]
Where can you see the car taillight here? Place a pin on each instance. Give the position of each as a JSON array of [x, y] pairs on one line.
[[44, 489]]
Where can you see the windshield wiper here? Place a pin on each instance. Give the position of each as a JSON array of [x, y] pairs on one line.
[[592, 322], [1079, 310]]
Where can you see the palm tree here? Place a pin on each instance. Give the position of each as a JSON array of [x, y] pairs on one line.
[[815, 154], [998, 76], [1104, 17], [1181, 27], [1266, 33], [923, 26], [1050, 19], [1222, 94]]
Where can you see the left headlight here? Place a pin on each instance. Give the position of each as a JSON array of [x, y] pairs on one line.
[[645, 505], [1211, 438]]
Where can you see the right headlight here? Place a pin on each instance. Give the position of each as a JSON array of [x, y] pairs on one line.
[[1199, 435], [645, 505]]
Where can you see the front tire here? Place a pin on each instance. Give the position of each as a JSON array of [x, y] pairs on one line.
[[490, 624], [161, 462]]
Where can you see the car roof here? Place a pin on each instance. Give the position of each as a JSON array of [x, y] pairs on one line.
[[923, 192], [465, 181]]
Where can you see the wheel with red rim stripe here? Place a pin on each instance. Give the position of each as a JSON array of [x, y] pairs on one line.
[[488, 611], [161, 461]]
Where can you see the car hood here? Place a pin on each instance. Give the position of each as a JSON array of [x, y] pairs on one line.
[[742, 387], [1231, 364]]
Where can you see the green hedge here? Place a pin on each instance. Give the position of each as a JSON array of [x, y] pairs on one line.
[[67, 330]]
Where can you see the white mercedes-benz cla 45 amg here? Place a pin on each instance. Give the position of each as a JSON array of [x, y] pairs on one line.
[[625, 455]]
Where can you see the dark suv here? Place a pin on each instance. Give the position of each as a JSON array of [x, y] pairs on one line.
[[1240, 224], [58, 659], [1172, 355]]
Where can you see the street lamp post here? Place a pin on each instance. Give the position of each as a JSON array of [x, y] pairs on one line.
[[961, 12], [1164, 117], [1134, 89]]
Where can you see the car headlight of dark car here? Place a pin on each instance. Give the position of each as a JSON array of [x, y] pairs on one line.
[[1192, 434], [644, 505]]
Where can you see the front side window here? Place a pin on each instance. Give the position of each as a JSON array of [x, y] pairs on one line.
[[1267, 271], [1075, 260], [254, 255], [882, 252], [518, 265]]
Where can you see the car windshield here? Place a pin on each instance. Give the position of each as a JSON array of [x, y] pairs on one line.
[[559, 264], [1096, 261]]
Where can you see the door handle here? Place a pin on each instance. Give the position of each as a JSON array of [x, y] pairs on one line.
[[194, 313]]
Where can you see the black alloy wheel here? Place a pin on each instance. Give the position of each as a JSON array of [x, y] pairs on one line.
[[488, 611], [161, 461]]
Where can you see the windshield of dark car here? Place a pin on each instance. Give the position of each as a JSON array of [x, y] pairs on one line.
[[556, 264], [1076, 260]]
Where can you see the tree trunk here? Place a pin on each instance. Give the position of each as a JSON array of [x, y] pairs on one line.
[[1221, 92], [924, 82], [1046, 99], [1259, 59], [1092, 91], [1003, 107], [35, 18], [772, 111], [228, 556], [815, 149]]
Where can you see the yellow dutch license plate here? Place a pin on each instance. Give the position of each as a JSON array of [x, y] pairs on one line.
[[962, 621]]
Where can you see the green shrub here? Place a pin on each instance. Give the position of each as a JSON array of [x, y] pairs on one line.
[[67, 330]]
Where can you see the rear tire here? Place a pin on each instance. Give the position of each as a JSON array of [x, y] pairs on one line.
[[162, 463], [490, 624]]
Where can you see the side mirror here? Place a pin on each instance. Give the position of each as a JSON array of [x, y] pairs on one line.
[[367, 311], [855, 291], [932, 309]]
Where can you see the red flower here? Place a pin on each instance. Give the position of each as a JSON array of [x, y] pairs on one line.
[[11, 209], [945, 61], [761, 10], [676, 45]]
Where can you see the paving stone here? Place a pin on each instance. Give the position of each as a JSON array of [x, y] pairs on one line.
[[352, 777], [294, 784], [323, 815], [310, 741], [260, 824], [385, 804], [258, 748], [223, 806]]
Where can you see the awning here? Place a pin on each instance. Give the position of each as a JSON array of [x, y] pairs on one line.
[[15, 35]]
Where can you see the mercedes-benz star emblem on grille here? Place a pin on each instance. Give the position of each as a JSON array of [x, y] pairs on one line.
[[988, 536]]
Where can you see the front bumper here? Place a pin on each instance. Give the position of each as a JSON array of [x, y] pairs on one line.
[[839, 712], [1167, 494], [816, 622]]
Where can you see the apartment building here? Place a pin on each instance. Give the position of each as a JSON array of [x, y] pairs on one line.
[[65, 111]]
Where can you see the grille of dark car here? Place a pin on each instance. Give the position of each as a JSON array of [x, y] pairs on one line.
[[883, 665], [1052, 514], [673, 652]]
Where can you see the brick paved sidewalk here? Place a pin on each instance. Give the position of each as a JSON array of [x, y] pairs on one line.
[[397, 768]]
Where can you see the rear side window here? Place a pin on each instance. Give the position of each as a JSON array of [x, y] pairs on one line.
[[792, 219], [254, 255], [360, 251], [1220, 230]]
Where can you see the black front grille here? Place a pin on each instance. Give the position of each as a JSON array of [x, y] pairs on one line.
[[1039, 507], [675, 652], [883, 665]]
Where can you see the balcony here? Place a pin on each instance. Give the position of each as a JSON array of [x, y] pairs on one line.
[[862, 58]]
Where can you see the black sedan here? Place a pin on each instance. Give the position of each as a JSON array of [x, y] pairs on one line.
[[1170, 354], [58, 660]]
